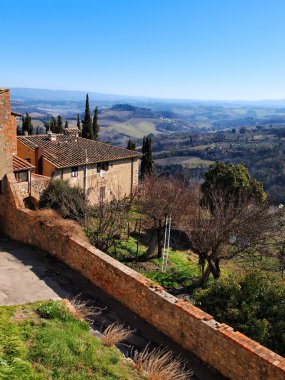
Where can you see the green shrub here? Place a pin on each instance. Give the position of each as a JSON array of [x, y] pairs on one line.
[[68, 200], [253, 304], [53, 310]]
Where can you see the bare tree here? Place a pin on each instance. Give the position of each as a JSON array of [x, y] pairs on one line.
[[230, 227], [160, 197], [108, 221]]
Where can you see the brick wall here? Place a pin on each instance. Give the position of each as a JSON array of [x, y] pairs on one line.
[[231, 353]]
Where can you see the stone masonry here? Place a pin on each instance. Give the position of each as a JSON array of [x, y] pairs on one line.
[[8, 140]]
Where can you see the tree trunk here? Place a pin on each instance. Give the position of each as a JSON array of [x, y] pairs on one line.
[[152, 246], [202, 281], [214, 268], [159, 233]]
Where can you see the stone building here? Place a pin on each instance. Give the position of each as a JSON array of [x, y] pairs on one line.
[[9, 161], [102, 170]]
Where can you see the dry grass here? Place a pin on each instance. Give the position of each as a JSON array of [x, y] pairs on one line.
[[66, 226], [159, 364], [115, 334], [84, 311]]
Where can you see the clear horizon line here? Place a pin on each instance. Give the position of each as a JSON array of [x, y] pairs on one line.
[[153, 97]]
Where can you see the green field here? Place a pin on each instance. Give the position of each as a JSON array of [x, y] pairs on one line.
[[189, 162], [133, 128]]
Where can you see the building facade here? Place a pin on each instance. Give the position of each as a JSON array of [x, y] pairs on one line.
[[102, 170]]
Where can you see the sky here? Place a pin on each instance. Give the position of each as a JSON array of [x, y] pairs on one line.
[[185, 49]]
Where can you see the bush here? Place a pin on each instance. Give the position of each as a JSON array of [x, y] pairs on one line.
[[253, 304], [68, 200], [54, 310]]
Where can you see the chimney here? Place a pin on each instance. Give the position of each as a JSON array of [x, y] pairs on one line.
[[51, 136], [39, 151]]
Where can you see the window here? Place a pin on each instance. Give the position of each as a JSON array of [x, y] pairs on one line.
[[102, 193], [22, 176], [103, 166], [74, 171], [29, 160]]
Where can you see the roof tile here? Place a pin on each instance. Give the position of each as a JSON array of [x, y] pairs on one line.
[[69, 151]]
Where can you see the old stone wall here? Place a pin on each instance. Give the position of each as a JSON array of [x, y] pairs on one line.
[[231, 353], [7, 133]]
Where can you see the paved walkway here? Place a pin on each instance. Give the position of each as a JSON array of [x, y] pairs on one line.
[[28, 274]]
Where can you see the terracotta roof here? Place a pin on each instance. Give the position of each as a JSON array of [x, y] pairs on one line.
[[69, 151], [19, 164], [71, 129]]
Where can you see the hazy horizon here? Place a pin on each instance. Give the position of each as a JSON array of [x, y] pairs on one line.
[[86, 91]]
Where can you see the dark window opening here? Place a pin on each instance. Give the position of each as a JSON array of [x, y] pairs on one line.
[[74, 171], [29, 160], [103, 166], [22, 176]]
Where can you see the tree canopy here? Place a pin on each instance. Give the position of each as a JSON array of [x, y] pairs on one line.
[[131, 145], [233, 181]]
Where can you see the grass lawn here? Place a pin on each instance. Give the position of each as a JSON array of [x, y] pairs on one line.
[[44, 341], [182, 265], [182, 269]]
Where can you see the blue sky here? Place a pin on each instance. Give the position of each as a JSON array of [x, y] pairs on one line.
[[196, 49]]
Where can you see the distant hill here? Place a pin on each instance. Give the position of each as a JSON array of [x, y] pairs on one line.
[[68, 95]]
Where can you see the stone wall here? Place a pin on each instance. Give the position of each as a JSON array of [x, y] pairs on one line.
[[231, 353], [7, 133]]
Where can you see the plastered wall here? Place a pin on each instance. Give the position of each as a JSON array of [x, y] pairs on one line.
[[119, 181]]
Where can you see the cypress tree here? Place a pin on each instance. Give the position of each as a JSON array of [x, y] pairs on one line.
[[87, 129], [131, 145], [59, 125], [27, 124], [95, 124], [66, 124], [147, 163], [53, 125], [78, 124]]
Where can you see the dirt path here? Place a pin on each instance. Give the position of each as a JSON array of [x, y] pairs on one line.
[[28, 274]]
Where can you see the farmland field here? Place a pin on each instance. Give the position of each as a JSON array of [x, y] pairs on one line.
[[189, 162]]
